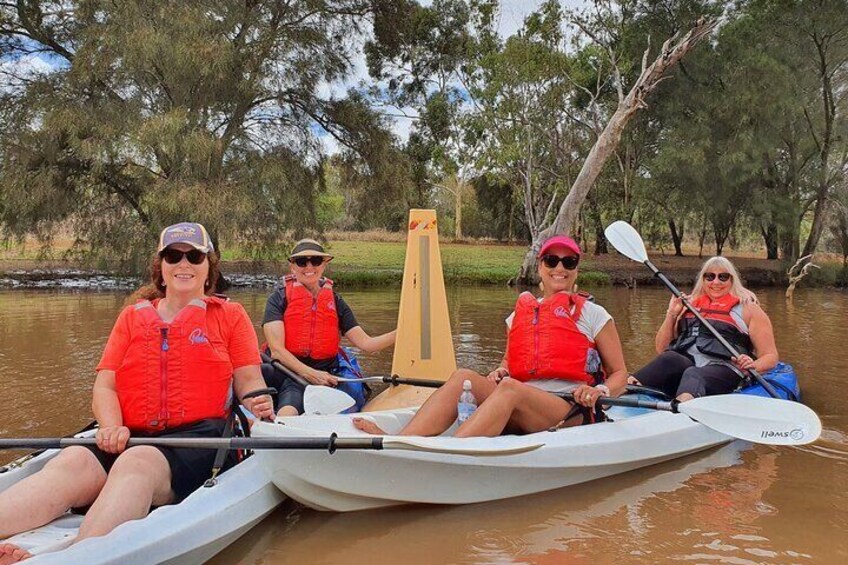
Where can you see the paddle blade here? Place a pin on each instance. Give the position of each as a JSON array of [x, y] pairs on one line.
[[756, 418], [626, 240], [326, 400], [456, 447]]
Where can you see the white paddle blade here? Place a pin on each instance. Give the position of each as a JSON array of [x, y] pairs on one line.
[[755, 418], [326, 400], [626, 240]]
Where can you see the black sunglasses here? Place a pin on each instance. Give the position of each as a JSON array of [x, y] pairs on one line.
[[723, 277], [302, 261], [174, 256], [569, 261]]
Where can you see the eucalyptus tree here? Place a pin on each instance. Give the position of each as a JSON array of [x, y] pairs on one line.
[[143, 112], [810, 38], [630, 102], [419, 59]]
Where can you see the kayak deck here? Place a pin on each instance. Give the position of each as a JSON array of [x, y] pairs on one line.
[[190, 532]]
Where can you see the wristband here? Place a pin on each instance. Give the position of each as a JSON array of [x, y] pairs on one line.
[[604, 389]]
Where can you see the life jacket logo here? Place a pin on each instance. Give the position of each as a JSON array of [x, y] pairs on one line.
[[560, 312], [196, 337], [797, 434], [331, 305]]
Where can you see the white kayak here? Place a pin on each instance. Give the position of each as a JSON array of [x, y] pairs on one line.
[[193, 531], [350, 480]]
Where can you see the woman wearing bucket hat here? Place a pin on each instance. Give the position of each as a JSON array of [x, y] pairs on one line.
[[169, 367], [303, 324], [559, 342]]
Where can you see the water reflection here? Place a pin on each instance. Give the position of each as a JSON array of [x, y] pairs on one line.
[[639, 512], [736, 505]]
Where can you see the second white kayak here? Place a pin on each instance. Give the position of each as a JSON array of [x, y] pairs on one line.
[[361, 479]]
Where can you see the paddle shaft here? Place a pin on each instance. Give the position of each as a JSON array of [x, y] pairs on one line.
[[330, 444], [283, 369], [395, 380], [664, 405], [705, 323]]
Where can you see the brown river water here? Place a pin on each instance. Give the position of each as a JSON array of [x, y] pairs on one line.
[[738, 504]]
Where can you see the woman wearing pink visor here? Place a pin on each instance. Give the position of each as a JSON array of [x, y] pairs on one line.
[[559, 342]]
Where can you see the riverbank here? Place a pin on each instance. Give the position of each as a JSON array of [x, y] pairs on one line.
[[380, 263]]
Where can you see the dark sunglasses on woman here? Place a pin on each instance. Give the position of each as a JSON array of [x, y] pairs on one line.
[[174, 256], [723, 277], [569, 262], [302, 261]]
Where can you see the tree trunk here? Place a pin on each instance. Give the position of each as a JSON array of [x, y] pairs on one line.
[[600, 239], [702, 237], [770, 236], [458, 214], [720, 233], [676, 237], [609, 139], [817, 228]]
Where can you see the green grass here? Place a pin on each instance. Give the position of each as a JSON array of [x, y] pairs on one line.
[[361, 263]]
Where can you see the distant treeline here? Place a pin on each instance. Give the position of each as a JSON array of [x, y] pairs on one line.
[[117, 118]]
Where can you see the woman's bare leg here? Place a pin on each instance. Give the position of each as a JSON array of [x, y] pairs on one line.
[[528, 408], [139, 478], [439, 411], [72, 478]]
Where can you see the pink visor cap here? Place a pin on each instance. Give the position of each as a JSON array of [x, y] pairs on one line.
[[560, 241]]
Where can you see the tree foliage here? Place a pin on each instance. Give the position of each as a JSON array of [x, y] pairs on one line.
[[152, 112]]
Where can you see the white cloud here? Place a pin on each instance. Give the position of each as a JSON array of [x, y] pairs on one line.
[[15, 71]]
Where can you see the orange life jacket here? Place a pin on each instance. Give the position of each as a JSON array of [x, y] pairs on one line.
[[171, 375], [718, 312], [311, 322], [545, 342]]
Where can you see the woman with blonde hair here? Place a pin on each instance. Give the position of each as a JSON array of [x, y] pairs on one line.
[[691, 361]]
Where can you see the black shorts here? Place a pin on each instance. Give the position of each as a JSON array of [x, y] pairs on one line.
[[289, 391], [189, 467]]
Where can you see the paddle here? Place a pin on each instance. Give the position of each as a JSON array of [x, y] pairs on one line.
[[316, 399], [628, 242], [331, 444], [744, 416], [395, 380]]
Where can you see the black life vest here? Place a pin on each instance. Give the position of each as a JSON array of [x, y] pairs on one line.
[[718, 312]]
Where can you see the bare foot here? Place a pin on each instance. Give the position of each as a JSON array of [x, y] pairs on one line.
[[631, 380], [10, 553], [367, 426]]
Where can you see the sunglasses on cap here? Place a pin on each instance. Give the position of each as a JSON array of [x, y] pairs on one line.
[[302, 261], [723, 277], [569, 261], [174, 256]]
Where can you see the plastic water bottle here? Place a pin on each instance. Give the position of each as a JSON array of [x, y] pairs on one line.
[[467, 403]]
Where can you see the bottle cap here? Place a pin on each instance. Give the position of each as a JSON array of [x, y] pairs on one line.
[[466, 384]]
